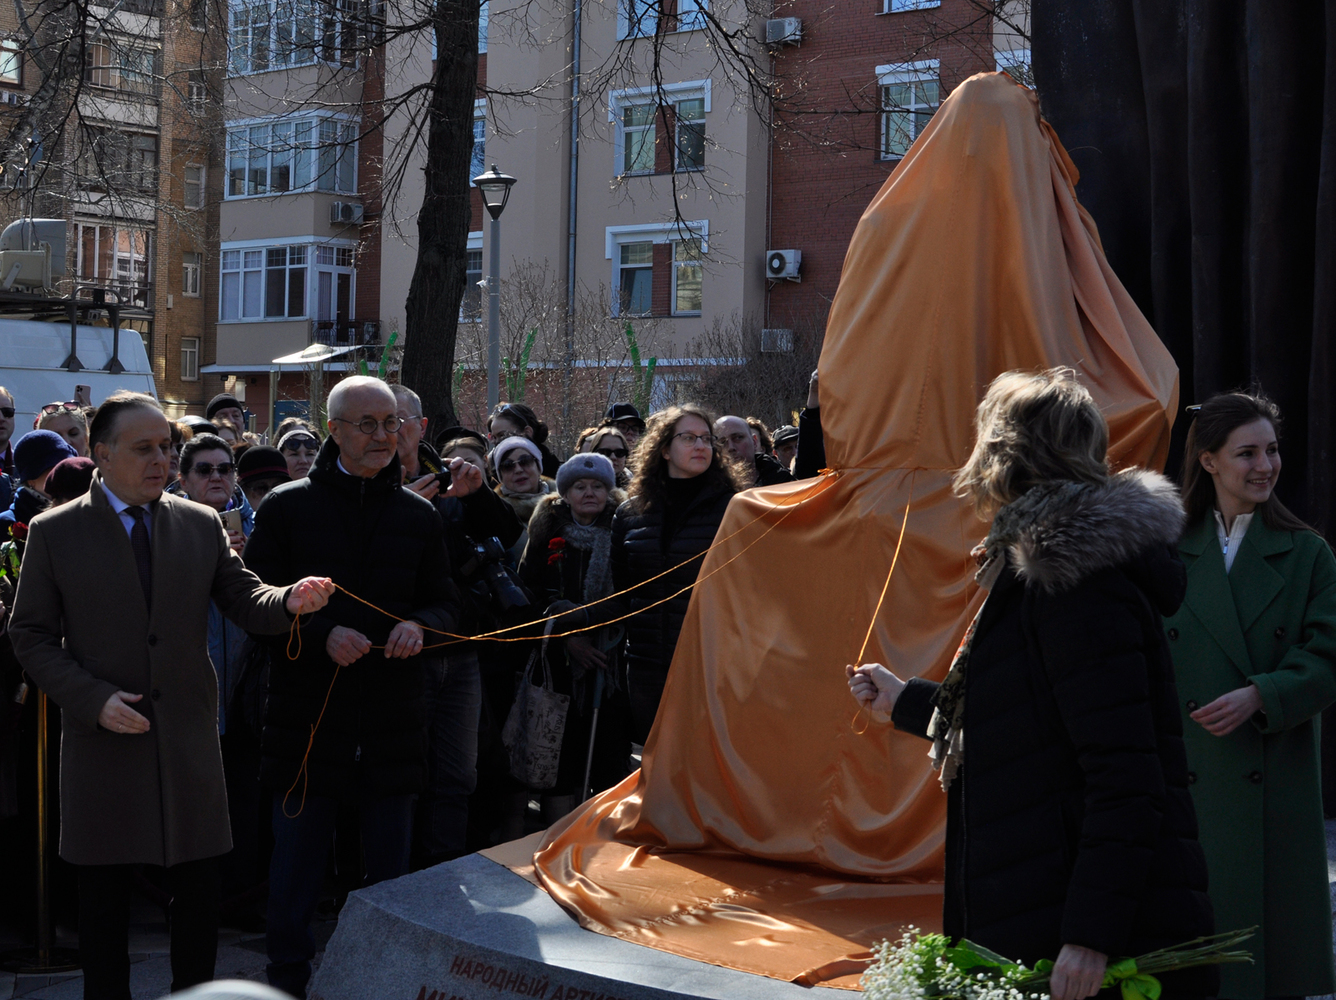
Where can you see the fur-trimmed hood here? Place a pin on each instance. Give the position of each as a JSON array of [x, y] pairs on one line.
[[1057, 535], [552, 513]]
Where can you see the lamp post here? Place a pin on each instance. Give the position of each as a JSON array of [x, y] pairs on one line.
[[495, 187]]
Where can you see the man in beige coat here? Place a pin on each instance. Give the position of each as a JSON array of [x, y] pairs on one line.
[[110, 619]]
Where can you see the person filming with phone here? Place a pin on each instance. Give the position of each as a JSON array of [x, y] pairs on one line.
[[141, 775]]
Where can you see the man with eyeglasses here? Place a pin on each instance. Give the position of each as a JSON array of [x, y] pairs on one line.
[[345, 720], [739, 440]]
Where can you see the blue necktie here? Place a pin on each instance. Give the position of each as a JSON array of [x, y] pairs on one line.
[[139, 543]]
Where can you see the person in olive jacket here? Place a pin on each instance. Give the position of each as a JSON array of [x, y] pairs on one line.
[[682, 486], [359, 673], [1254, 648], [1070, 831]]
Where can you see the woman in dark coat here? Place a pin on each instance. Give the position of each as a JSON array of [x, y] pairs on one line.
[[1254, 649], [681, 488], [568, 562], [1070, 830]]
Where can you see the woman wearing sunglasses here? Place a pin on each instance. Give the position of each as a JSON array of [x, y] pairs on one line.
[[67, 420], [611, 444], [516, 419]]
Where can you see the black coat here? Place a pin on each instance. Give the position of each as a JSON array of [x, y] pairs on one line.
[[1070, 820], [770, 473], [640, 551], [385, 544]]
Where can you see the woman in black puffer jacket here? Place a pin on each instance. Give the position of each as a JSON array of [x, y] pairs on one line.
[[681, 488], [1070, 830]]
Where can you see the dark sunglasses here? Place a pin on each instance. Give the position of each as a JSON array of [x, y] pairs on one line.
[[613, 452], [526, 462], [204, 469], [292, 444], [57, 407], [7, 412]]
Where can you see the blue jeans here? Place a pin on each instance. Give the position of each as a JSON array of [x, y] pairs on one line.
[[454, 702], [297, 871]]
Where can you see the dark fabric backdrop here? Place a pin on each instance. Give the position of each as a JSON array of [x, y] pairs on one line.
[[1205, 137]]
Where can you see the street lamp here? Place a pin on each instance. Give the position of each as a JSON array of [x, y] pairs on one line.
[[495, 187]]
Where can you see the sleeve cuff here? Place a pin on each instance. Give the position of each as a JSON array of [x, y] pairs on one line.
[[1272, 719], [913, 709]]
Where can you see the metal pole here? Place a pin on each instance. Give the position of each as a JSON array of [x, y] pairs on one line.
[[494, 319], [45, 936], [273, 407]]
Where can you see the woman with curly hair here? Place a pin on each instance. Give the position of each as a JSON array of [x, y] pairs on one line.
[[681, 488]]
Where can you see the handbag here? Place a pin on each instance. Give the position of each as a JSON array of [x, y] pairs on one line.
[[536, 724]]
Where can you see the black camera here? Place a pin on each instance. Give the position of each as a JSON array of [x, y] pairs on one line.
[[488, 565]]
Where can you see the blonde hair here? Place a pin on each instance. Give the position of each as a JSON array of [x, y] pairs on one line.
[[44, 420], [1031, 428]]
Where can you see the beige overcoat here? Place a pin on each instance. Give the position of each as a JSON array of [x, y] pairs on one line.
[[82, 630]]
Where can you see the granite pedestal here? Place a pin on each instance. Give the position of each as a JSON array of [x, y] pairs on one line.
[[472, 928]]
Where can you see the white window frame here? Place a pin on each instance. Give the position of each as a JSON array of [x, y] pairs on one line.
[[483, 17], [304, 36], [924, 71], [695, 15], [11, 55], [670, 92], [306, 144], [654, 232], [201, 190], [313, 265], [190, 359], [673, 264], [631, 25], [192, 274], [901, 6], [478, 161], [474, 246], [116, 72], [197, 96], [1015, 63]]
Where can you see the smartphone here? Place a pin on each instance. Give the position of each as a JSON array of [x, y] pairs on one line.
[[83, 395], [232, 520]]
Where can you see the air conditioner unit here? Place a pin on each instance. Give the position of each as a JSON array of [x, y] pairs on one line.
[[13, 97], [777, 341], [345, 212], [782, 265], [784, 31]]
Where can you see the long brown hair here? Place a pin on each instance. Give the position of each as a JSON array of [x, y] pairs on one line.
[[651, 468], [1218, 418]]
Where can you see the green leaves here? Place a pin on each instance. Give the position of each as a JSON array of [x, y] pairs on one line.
[[968, 956], [517, 372], [1134, 985], [642, 376]]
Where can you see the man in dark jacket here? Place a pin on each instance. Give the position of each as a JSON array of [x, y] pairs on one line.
[[344, 723], [739, 440]]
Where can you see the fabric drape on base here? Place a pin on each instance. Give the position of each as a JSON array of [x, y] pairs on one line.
[[763, 832]]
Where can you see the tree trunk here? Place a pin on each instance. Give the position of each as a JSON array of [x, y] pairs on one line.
[[437, 288]]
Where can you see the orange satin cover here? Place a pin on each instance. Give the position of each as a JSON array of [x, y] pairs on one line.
[[763, 832]]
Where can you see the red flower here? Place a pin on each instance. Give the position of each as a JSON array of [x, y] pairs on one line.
[[554, 558], [557, 543], [19, 532]]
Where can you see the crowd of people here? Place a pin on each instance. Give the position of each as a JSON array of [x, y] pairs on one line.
[[410, 762], [282, 682]]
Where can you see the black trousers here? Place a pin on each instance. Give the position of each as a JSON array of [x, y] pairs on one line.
[[104, 926]]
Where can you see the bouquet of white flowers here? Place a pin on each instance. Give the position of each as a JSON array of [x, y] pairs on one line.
[[928, 967]]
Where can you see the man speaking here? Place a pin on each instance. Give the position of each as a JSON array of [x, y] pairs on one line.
[[111, 620]]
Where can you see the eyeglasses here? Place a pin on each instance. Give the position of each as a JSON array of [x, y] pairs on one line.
[[613, 452], [368, 425], [526, 462], [689, 439], [294, 444], [204, 470], [57, 407], [7, 412]]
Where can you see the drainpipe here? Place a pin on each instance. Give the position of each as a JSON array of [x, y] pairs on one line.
[[571, 201]]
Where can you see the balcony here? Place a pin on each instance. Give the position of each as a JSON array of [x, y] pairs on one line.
[[346, 333]]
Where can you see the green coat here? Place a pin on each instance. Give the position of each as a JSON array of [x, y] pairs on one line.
[[1271, 621]]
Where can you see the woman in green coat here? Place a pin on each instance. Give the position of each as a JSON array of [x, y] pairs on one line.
[[1254, 649]]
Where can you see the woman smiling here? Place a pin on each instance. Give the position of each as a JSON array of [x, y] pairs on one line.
[[1253, 647]]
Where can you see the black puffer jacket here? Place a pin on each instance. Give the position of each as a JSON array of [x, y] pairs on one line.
[[641, 550], [385, 544], [1070, 820]]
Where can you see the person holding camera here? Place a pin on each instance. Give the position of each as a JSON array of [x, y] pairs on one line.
[[473, 516], [345, 721]]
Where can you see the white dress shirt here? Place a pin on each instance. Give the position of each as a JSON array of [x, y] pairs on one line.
[[120, 507]]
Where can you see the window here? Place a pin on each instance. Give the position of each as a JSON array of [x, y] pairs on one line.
[[1016, 63], [11, 61], [482, 31], [478, 164], [197, 94], [117, 65], [687, 273], [272, 35], [638, 139], [117, 258], [909, 96], [690, 134], [470, 308], [189, 359], [193, 182], [292, 155], [197, 14], [637, 18], [635, 280], [277, 282], [897, 6], [118, 162], [192, 267], [691, 14]]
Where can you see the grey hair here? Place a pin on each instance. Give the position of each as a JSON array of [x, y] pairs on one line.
[[1033, 427], [402, 393], [335, 404]]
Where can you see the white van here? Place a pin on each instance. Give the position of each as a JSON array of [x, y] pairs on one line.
[[41, 362]]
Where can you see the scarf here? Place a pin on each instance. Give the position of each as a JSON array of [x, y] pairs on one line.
[[946, 728], [598, 543]]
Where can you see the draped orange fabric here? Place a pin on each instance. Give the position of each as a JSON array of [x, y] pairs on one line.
[[764, 832]]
